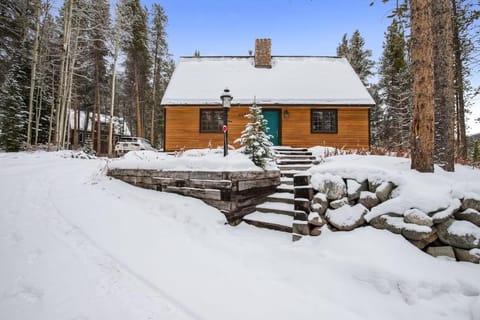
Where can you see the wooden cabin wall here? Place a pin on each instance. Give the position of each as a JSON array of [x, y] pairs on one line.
[[182, 127]]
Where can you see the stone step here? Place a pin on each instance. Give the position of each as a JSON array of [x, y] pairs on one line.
[[293, 153], [276, 207], [289, 173], [270, 221], [293, 162], [289, 167], [286, 188], [286, 180], [294, 157], [287, 148], [284, 197]]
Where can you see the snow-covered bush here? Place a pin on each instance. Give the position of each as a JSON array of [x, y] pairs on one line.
[[254, 139]]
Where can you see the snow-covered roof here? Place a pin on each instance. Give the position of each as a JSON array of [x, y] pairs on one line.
[[291, 80], [117, 122]]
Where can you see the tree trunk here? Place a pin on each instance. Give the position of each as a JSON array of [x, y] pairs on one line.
[[112, 99], [97, 104], [459, 89], [444, 84], [423, 88], [138, 112], [34, 72]]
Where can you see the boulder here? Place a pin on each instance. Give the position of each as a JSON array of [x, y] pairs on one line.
[[392, 224], [339, 203], [421, 244], [417, 216], [471, 201], [319, 203], [459, 234], [315, 219], [316, 231], [333, 186], [373, 185], [353, 189], [346, 218], [368, 199], [469, 214], [445, 214], [472, 255], [384, 191], [445, 251], [417, 233]]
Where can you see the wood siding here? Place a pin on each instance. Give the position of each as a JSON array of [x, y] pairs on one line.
[[182, 127]]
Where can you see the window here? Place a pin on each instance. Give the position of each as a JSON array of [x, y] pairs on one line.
[[324, 121], [211, 120]]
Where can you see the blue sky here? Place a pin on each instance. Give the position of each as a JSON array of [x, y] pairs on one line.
[[296, 27]]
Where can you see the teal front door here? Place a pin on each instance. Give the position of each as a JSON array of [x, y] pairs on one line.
[[273, 118]]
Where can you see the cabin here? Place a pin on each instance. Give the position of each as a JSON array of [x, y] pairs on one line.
[[80, 125], [307, 100]]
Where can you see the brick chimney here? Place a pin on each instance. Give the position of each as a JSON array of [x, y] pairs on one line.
[[263, 53]]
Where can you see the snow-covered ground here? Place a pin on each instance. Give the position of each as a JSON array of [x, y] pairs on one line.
[[75, 244]]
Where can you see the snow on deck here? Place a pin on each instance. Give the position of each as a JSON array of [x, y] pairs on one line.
[[291, 80]]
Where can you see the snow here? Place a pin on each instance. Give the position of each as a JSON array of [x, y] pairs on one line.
[[291, 80], [428, 192], [199, 160], [465, 228], [75, 244]]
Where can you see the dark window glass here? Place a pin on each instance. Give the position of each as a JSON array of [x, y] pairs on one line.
[[211, 120], [324, 121]]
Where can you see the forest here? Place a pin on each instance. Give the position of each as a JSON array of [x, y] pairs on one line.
[[108, 64]]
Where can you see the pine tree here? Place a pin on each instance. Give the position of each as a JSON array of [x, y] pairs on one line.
[[395, 90], [255, 139], [13, 111], [359, 57]]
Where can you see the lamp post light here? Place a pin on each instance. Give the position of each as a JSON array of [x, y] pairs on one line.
[[226, 103]]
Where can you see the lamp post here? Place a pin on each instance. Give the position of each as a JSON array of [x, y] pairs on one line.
[[226, 102]]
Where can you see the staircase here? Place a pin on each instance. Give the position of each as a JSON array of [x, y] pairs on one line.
[[277, 211]]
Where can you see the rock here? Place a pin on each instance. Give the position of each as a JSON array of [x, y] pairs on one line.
[[459, 234], [373, 185], [300, 228], [469, 214], [333, 186], [368, 199], [316, 231], [417, 233], [346, 218], [445, 251], [392, 224], [384, 191], [320, 203], [471, 201], [417, 216], [339, 203], [445, 214], [421, 244], [472, 255], [315, 219], [353, 189]]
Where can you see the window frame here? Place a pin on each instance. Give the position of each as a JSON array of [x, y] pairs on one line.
[[323, 131], [213, 110]]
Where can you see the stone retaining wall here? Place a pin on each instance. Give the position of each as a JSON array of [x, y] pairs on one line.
[[343, 204], [234, 193]]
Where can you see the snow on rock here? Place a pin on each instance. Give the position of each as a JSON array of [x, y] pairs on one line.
[[368, 199], [471, 200], [332, 185], [315, 219], [443, 215], [397, 225], [346, 218], [460, 234], [469, 214], [418, 217], [199, 160]]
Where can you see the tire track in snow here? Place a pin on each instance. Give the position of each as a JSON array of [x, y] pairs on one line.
[[66, 223]]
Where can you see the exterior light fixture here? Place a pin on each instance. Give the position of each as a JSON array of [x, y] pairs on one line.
[[286, 114], [226, 98]]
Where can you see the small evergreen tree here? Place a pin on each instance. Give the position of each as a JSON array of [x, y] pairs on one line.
[[255, 139]]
